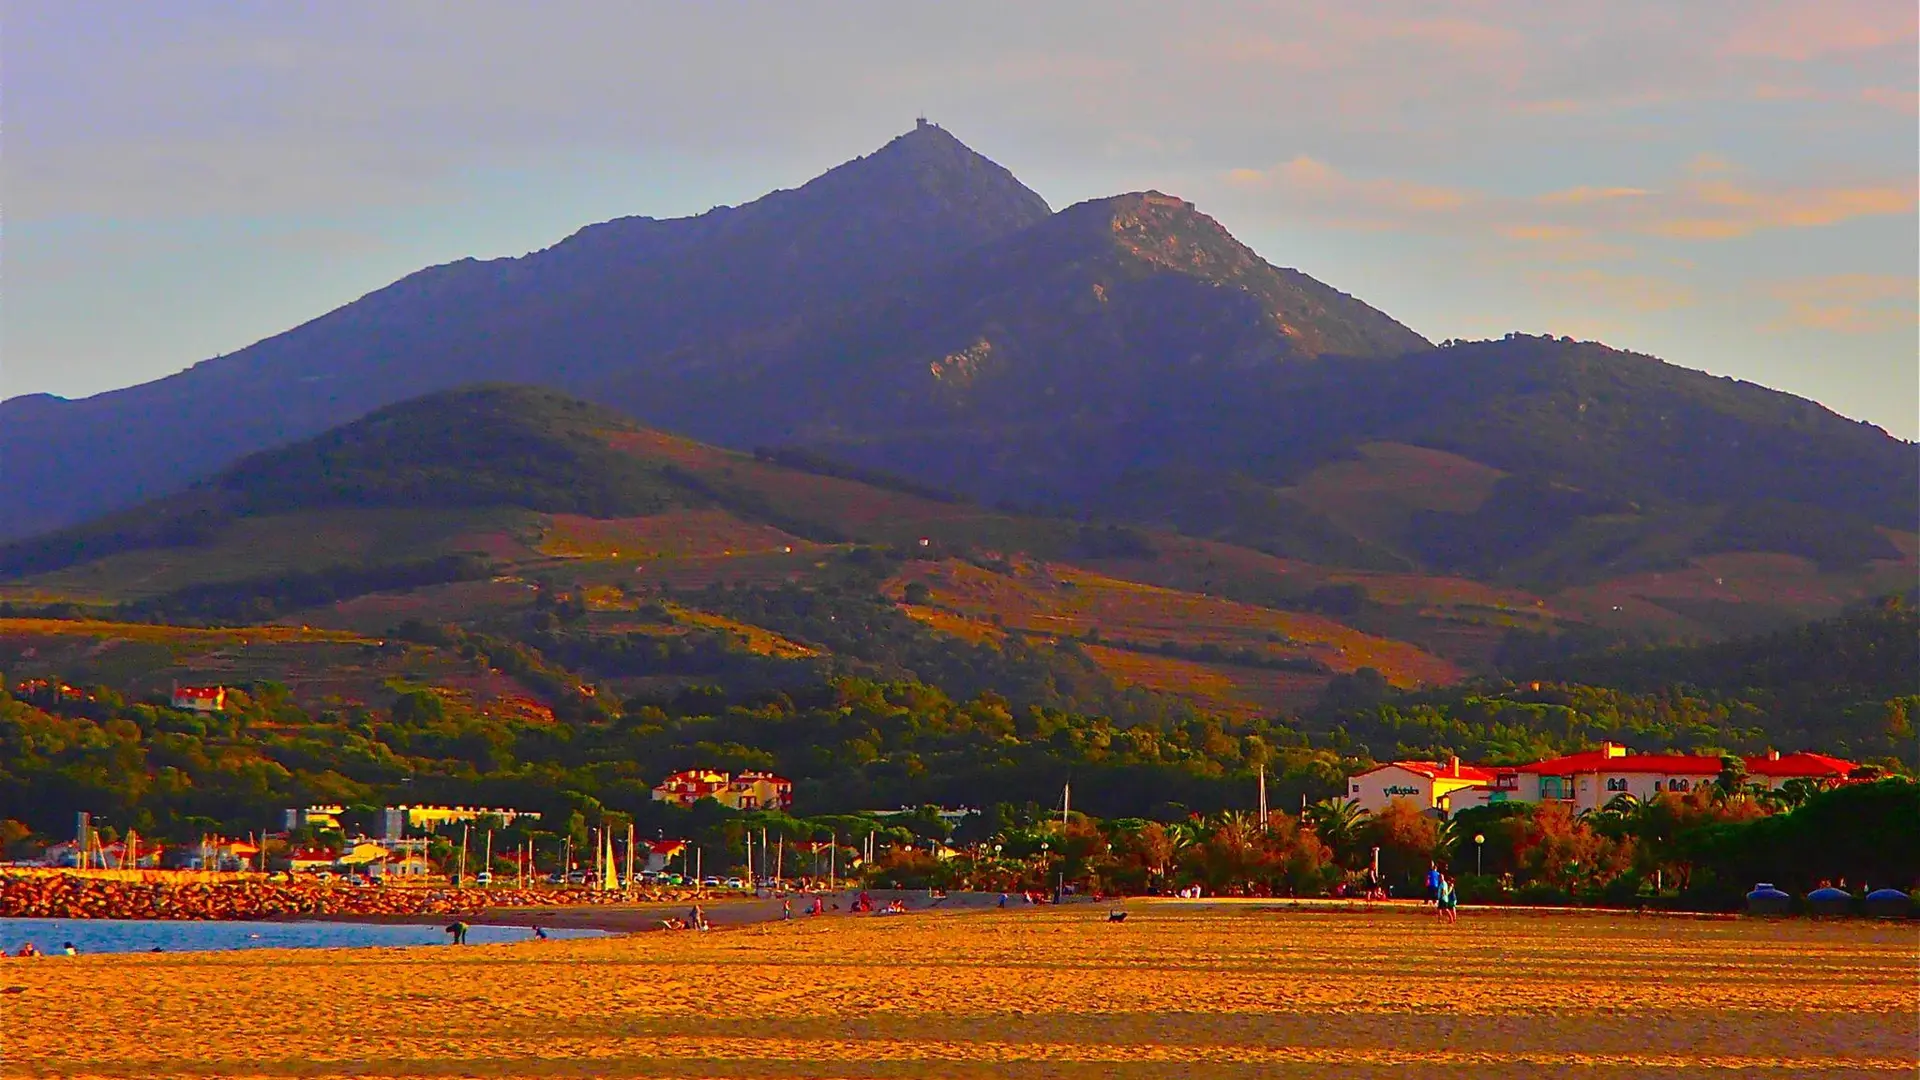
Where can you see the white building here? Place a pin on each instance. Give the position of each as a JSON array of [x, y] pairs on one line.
[[1430, 785], [1592, 779]]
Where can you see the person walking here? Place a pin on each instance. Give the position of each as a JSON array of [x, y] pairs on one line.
[[1449, 901], [1434, 878]]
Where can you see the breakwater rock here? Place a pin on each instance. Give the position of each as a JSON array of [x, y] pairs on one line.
[[76, 896]]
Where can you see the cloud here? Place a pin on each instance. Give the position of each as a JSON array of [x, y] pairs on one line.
[[1587, 194], [1847, 303], [1891, 97], [1314, 181], [1702, 204], [1805, 31], [1720, 210], [1547, 233]]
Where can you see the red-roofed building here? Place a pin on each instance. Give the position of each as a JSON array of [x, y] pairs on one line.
[[1591, 779], [748, 791], [662, 852], [1429, 784], [199, 698]]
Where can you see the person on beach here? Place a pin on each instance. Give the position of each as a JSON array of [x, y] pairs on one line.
[[459, 931], [29, 949], [67, 947], [1433, 884], [1449, 900], [539, 934], [786, 908]]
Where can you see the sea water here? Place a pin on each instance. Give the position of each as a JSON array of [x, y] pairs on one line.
[[146, 935]]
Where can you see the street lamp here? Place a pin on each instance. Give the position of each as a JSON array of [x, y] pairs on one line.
[[1479, 840]]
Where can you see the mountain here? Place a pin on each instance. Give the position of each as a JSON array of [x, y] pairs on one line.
[[1033, 368], [612, 297], [919, 313], [1530, 459]]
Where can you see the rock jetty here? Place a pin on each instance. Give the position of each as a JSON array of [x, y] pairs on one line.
[[75, 896]]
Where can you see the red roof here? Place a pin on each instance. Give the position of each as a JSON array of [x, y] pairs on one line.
[[1786, 765], [1803, 763], [1434, 770]]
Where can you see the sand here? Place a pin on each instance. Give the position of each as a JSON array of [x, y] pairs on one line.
[[1220, 991]]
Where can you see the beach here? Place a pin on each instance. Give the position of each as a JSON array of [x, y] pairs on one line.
[[1176, 990]]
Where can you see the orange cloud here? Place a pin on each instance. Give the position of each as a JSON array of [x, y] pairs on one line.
[[1718, 210], [1583, 194], [1542, 232], [1847, 303], [1314, 180], [1581, 223], [1809, 30], [1891, 97]]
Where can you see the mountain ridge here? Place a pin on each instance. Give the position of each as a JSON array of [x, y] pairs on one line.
[[555, 316], [919, 311]]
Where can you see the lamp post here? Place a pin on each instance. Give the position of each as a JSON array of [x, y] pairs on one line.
[[1479, 841]]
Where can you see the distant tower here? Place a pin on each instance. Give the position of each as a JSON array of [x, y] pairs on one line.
[[920, 122]]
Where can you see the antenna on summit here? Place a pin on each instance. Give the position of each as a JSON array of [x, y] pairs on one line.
[[921, 122]]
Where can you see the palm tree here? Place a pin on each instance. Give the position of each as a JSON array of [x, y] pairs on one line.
[[1619, 808], [1337, 822]]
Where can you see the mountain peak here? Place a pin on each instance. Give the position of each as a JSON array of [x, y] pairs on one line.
[[932, 169]]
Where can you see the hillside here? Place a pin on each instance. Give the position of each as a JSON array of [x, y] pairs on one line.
[[503, 595]]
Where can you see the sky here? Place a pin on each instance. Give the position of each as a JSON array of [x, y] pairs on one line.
[[1726, 184]]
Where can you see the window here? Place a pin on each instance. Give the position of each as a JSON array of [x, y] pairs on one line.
[[1356, 789], [1676, 785], [1616, 783]]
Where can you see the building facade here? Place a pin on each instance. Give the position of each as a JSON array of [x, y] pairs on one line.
[[398, 821], [1592, 779], [747, 791], [208, 699], [1587, 780], [1427, 784]]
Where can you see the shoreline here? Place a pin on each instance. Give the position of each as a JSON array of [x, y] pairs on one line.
[[646, 916]]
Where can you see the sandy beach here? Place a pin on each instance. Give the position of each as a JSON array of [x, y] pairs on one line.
[[1175, 991]]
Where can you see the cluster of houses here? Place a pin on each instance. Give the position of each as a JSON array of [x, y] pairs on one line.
[[202, 699], [1585, 781], [747, 791]]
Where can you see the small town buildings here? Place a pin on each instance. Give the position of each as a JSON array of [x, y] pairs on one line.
[[761, 791], [400, 864], [1594, 778], [953, 816], [1587, 780], [302, 860], [397, 821], [662, 852], [118, 855], [206, 699], [320, 817], [747, 791], [1428, 784]]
